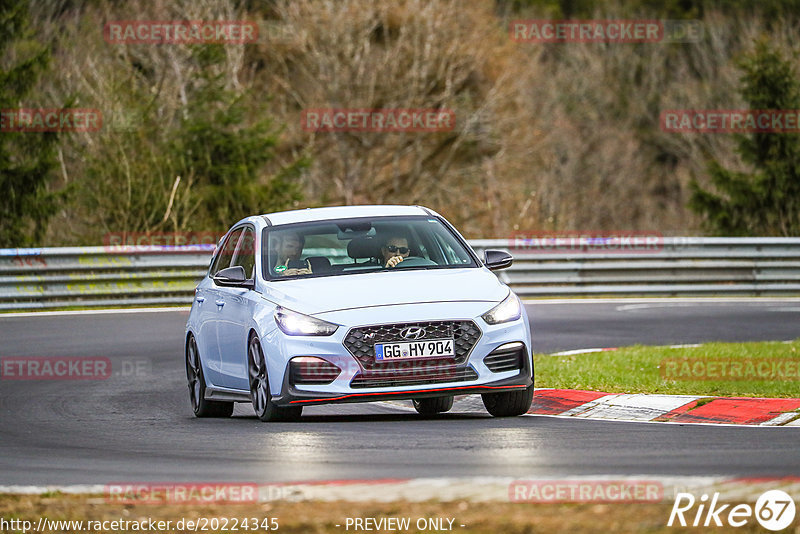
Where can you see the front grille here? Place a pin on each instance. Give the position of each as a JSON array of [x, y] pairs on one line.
[[506, 358], [413, 377], [360, 341]]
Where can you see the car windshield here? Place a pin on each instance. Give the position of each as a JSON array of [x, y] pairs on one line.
[[350, 246]]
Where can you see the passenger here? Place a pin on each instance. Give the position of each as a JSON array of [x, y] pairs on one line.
[[288, 250]]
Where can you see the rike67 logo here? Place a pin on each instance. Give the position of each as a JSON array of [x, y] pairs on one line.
[[774, 510]]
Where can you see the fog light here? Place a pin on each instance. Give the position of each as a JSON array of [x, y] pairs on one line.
[[506, 357], [312, 370]]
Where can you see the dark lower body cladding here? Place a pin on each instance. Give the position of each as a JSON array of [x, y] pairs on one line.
[[291, 396]]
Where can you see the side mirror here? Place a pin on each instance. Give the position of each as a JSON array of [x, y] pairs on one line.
[[233, 277], [497, 259]]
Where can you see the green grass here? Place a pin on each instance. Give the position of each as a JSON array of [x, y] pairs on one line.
[[641, 369]]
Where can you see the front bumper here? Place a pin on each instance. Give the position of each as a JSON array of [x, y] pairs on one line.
[[291, 396], [486, 375]]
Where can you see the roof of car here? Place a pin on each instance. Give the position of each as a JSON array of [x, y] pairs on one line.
[[343, 212]]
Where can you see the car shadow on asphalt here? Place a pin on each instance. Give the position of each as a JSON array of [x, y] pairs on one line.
[[371, 418]]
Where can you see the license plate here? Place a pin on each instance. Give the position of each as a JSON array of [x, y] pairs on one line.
[[414, 349]]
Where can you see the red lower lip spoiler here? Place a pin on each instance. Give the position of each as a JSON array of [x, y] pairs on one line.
[[351, 395]]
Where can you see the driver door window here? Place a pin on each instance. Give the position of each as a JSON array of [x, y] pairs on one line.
[[245, 253], [225, 255]]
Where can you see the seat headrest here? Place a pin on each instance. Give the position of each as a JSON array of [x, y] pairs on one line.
[[363, 247]]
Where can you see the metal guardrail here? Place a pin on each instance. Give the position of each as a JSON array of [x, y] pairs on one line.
[[49, 278], [677, 266]]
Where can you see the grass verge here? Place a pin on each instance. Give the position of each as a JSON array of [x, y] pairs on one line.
[[764, 369]]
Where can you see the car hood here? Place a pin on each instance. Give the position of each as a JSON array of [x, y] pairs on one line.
[[333, 293]]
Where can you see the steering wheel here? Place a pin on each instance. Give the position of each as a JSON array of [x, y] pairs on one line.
[[415, 261]]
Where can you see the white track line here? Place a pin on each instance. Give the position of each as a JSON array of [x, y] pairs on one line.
[[95, 312], [654, 300], [660, 300]]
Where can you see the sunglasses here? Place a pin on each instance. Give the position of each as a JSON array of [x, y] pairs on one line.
[[401, 250]]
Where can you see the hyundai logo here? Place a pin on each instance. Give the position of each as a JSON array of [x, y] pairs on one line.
[[412, 332]]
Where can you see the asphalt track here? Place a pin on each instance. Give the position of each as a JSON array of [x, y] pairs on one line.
[[137, 424]]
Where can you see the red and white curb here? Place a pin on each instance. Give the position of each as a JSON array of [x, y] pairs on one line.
[[666, 408], [683, 409], [600, 488], [686, 409]]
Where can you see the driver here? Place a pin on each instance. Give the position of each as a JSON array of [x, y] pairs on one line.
[[394, 250], [288, 250]]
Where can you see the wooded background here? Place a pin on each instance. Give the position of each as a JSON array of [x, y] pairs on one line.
[[549, 137]]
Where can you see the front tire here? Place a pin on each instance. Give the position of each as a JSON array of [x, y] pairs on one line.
[[197, 386], [433, 405], [260, 393], [509, 403]]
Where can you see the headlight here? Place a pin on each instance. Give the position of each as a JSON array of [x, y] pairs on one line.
[[508, 310], [297, 324]]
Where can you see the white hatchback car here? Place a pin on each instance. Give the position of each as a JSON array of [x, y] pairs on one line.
[[354, 304]]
